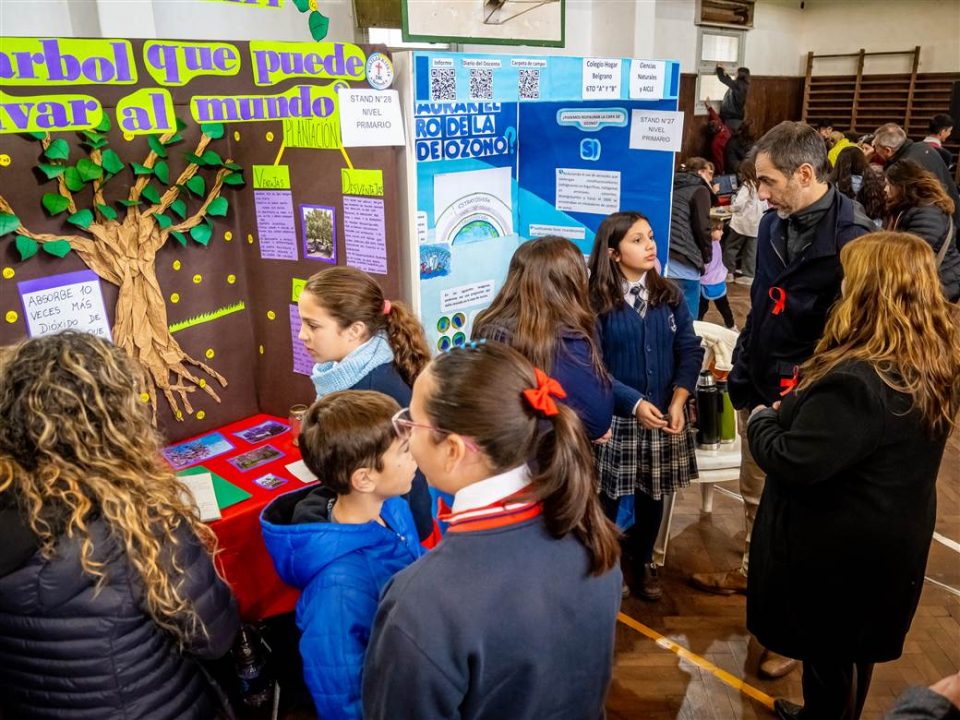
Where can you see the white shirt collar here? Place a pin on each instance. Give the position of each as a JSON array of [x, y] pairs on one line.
[[642, 282], [933, 140], [486, 492]]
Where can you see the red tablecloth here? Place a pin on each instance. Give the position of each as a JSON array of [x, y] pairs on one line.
[[243, 558]]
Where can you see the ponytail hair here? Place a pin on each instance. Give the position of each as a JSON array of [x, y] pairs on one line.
[[479, 393], [350, 295]]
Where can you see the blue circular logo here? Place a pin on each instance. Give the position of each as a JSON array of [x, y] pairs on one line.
[[379, 71]]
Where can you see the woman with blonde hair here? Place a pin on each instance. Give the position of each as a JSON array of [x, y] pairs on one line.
[[840, 542], [108, 594]]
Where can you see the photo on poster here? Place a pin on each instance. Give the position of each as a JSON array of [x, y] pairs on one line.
[[270, 481], [319, 233], [473, 206], [255, 458], [434, 261], [196, 451], [262, 431]]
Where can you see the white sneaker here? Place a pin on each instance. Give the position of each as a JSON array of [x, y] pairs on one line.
[[730, 277], [744, 280]]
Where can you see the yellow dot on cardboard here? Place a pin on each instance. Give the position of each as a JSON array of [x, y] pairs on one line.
[[202, 383], [12, 316], [8, 272], [201, 414], [128, 136], [261, 349], [236, 135], [312, 5], [144, 397], [177, 265], [5, 160], [228, 236], [269, 136], [209, 353], [231, 278], [174, 298], [179, 415], [197, 279], [250, 238], [271, 315]]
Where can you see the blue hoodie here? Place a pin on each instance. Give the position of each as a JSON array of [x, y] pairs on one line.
[[340, 570]]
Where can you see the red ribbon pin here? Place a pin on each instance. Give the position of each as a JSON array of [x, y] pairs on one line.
[[787, 384], [779, 297]]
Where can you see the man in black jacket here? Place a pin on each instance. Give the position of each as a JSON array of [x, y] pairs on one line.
[[733, 106], [892, 145], [797, 280]]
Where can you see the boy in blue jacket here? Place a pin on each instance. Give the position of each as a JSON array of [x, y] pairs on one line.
[[340, 542]]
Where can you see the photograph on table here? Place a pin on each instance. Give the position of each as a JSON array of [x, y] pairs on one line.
[[262, 431], [319, 233], [255, 458], [197, 450], [270, 481]]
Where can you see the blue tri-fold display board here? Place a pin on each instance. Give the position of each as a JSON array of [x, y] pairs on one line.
[[510, 148]]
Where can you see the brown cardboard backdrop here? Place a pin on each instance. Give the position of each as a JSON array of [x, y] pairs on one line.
[[212, 277]]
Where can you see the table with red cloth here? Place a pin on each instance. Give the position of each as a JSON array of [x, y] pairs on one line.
[[243, 558]]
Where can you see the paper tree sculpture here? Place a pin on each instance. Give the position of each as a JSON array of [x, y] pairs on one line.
[[123, 250]]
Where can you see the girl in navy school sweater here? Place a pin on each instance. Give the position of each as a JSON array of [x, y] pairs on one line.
[[513, 614], [650, 349], [360, 340], [543, 312]]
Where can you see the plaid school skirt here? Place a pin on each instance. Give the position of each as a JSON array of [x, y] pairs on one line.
[[651, 461]]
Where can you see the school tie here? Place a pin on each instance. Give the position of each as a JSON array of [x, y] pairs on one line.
[[639, 302]]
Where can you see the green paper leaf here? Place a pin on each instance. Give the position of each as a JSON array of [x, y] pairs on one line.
[[194, 159], [232, 166], [57, 150], [214, 131], [72, 179], [130, 203], [162, 171], [89, 170], [36, 135], [201, 233], [81, 218], [319, 24], [104, 125], [196, 185], [27, 247], [218, 207], [95, 144], [181, 238], [151, 194], [93, 139], [58, 248], [179, 207], [181, 125], [177, 137], [163, 221], [139, 169], [234, 178], [108, 212], [54, 203], [302, 5], [211, 158], [111, 162], [51, 171], [154, 142], [8, 223]]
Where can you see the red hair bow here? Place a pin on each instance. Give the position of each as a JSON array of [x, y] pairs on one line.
[[541, 397]]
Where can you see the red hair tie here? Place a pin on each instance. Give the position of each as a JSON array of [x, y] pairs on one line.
[[541, 397], [386, 307], [779, 297]]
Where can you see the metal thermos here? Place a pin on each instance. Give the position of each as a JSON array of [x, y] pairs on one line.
[[708, 412], [728, 423]]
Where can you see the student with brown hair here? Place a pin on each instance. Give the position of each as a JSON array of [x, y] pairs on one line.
[[841, 537], [543, 311], [513, 614], [917, 204], [360, 340], [340, 542]]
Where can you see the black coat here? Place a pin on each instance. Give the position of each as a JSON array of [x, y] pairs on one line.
[[771, 346], [733, 106], [69, 652], [927, 157], [840, 542], [690, 221], [931, 223]]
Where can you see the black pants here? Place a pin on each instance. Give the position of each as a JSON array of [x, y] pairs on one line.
[[834, 689], [723, 307], [642, 535]]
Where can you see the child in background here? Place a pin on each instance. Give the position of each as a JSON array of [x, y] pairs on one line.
[[713, 285], [650, 349], [340, 542], [740, 246], [362, 341], [513, 615]]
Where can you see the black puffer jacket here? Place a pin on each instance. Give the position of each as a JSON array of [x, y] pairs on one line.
[[67, 652], [931, 223], [690, 221]]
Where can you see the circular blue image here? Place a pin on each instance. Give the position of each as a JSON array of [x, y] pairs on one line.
[[443, 324], [459, 339], [444, 344], [459, 320], [476, 231]]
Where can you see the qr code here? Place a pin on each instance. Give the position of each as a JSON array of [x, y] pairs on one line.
[[529, 84], [481, 84], [443, 84]]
